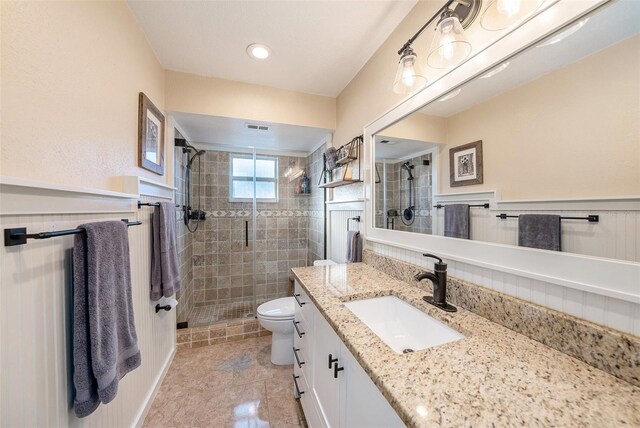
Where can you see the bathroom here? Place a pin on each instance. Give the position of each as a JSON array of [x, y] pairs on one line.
[[430, 218]]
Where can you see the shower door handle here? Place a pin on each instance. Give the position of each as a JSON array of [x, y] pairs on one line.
[[246, 233]]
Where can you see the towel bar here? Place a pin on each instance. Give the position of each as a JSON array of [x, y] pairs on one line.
[[485, 205], [154, 204], [590, 218], [19, 235]]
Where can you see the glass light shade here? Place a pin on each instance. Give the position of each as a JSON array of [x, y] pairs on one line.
[[501, 14], [408, 79], [449, 46]]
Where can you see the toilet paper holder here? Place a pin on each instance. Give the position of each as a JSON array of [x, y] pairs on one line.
[[170, 304]]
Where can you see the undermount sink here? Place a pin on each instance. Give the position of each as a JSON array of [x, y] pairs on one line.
[[400, 325]]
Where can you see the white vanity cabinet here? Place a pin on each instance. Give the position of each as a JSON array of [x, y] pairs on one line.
[[337, 391]]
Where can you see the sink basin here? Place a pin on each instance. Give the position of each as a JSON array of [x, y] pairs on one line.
[[401, 326]]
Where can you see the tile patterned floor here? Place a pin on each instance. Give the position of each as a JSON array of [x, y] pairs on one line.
[[227, 385], [209, 314]]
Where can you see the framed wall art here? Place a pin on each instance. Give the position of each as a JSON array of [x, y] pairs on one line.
[[150, 136], [465, 164]]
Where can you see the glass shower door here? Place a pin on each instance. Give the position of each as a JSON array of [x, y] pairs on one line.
[[223, 251]]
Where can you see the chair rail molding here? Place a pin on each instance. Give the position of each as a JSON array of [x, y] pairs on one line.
[[25, 197]]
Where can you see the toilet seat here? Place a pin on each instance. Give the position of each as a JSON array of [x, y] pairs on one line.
[[278, 309]]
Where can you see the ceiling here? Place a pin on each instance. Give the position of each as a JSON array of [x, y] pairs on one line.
[[399, 149], [316, 46], [223, 133], [605, 28]]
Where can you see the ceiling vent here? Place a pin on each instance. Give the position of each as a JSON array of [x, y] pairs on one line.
[[256, 127]]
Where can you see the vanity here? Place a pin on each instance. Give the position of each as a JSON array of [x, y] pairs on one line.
[[347, 376], [526, 126]]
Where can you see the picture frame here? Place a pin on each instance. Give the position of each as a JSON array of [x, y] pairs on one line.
[[465, 164], [150, 136]]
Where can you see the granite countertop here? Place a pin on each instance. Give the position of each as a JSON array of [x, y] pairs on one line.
[[492, 377]]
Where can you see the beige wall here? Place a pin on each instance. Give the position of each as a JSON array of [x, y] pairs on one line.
[[369, 94], [71, 73], [572, 133], [190, 93], [421, 127]]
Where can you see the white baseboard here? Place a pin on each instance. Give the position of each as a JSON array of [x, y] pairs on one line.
[[152, 394]]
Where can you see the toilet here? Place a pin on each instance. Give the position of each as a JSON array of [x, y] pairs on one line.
[[277, 317]]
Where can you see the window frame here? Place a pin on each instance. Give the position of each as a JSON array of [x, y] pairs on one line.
[[233, 178]]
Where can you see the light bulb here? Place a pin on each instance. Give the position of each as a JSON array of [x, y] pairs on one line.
[[408, 79], [501, 14], [508, 7], [408, 76], [448, 49]]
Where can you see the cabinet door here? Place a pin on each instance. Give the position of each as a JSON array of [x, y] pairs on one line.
[[363, 405], [326, 388]]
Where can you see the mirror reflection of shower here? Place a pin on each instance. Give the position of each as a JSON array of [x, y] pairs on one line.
[[189, 214], [408, 214]]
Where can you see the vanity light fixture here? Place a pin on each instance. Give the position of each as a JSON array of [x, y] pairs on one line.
[[449, 47], [501, 14], [564, 34], [258, 51], [495, 70]]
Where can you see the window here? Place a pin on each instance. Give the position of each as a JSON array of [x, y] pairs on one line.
[[241, 180]]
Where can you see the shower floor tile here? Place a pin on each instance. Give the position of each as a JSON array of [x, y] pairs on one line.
[[209, 314]]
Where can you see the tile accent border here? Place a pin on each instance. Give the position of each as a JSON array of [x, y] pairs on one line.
[[221, 332], [602, 347]]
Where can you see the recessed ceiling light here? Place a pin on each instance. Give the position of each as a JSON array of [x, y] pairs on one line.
[[258, 51], [450, 95], [495, 71]]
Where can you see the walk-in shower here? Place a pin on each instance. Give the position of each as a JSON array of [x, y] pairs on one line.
[[255, 226]]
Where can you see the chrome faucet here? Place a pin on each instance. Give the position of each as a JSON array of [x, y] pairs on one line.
[[439, 280]]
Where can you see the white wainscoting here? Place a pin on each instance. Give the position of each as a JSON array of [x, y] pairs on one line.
[[615, 236], [615, 313], [338, 214], [36, 316]]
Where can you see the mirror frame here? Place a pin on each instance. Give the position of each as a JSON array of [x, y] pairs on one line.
[[613, 278]]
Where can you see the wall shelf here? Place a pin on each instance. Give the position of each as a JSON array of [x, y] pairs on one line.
[[332, 184], [347, 154]]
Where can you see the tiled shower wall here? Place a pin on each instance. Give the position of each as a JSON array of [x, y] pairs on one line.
[[223, 262], [316, 242], [398, 194], [185, 243]]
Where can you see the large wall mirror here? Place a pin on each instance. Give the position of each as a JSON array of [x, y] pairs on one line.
[[556, 123]]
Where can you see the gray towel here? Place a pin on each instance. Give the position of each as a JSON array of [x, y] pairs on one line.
[[105, 345], [332, 158], [539, 231], [354, 247], [456, 221], [165, 276]]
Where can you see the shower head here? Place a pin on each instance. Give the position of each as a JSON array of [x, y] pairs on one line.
[[198, 153], [407, 166]]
